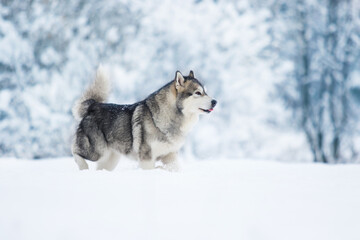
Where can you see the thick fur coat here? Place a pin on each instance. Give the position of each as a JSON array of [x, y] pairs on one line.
[[150, 130]]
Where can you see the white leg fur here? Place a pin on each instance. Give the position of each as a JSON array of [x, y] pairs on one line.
[[147, 164], [108, 161], [81, 162], [112, 161]]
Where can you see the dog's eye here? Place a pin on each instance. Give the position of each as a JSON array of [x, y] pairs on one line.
[[198, 93]]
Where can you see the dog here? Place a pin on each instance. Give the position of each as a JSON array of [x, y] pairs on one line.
[[151, 130]]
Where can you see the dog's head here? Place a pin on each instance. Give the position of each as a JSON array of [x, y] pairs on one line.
[[191, 96]]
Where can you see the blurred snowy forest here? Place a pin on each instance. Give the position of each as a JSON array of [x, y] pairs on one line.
[[285, 73]]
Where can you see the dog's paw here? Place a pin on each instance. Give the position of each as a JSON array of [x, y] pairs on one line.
[[147, 164], [173, 166]]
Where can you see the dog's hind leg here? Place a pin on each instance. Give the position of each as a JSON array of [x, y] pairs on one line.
[[81, 162]]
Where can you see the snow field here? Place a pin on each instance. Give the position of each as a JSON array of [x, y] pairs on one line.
[[222, 199]]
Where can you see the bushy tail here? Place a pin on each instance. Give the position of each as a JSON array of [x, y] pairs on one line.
[[98, 91]]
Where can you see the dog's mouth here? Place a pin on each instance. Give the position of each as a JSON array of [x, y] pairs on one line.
[[207, 110]]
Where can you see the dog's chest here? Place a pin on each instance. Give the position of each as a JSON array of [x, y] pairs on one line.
[[160, 148], [173, 141]]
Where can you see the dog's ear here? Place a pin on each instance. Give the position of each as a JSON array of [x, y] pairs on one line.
[[179, 80], [191, 74]]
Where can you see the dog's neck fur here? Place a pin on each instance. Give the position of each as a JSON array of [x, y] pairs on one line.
[[173, 121]]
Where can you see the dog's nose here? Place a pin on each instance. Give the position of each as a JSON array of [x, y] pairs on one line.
[[213, 102]]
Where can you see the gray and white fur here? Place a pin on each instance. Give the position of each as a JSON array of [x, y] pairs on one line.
[[150, 130]]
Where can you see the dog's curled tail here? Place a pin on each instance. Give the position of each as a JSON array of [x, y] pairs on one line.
[[97, 91]]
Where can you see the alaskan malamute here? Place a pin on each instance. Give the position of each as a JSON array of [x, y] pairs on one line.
[[149, 130]]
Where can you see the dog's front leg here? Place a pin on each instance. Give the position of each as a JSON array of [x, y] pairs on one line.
[[145, 158], [171, 162]]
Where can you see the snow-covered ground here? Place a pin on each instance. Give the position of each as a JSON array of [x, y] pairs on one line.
[[219, 199]]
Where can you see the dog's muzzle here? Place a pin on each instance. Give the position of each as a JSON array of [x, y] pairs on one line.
[[213, 104]]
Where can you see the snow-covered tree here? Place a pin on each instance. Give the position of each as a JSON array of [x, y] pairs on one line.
[[48, 49], [321, 39]]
